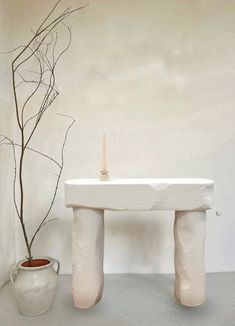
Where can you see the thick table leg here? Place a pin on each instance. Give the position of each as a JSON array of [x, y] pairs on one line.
[[189, 234], [87, 252]]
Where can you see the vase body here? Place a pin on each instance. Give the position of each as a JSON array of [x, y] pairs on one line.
[[34, 287]]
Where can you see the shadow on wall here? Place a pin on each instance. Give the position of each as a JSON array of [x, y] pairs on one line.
[[139, 241]]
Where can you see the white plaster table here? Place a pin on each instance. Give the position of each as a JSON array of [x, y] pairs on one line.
[[189, 198]]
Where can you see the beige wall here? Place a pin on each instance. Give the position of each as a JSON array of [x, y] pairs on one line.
[[7, 225], [158, 78]]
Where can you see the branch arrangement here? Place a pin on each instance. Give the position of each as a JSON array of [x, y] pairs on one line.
[[43, 54]]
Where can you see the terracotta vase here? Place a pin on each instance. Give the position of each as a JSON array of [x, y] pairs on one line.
[[35, 286]]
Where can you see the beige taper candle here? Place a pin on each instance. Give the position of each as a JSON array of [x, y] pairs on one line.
[[104, 163], [104, 173]]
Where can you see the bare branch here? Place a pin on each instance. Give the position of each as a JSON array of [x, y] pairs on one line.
[[51, 220], [13, 50], [57, 181], [15, 171], [68, 45], [51, 27], [48, 16], [35, 151], [41, 49]]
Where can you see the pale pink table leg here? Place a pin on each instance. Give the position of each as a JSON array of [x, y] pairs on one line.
[[189, 234], [87, 256]]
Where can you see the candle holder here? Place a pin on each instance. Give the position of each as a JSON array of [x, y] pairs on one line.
[[104, 175]]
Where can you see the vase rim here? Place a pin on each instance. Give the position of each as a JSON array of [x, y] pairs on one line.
[[35, 268]]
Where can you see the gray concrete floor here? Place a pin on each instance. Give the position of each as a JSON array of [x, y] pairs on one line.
[[132, 300]]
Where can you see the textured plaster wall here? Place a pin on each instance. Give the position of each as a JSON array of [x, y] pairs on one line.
[[158, 78], [7, 248]]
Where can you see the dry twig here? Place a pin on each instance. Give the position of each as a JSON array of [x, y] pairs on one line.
[[41, 51]]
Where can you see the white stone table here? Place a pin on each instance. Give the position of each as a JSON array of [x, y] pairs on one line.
[[189, 198]]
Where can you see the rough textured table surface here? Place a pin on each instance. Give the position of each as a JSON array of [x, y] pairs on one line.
[[140, 194], [189, 198]]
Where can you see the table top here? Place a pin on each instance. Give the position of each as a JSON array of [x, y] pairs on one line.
[[140, 181], [140, 194]]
